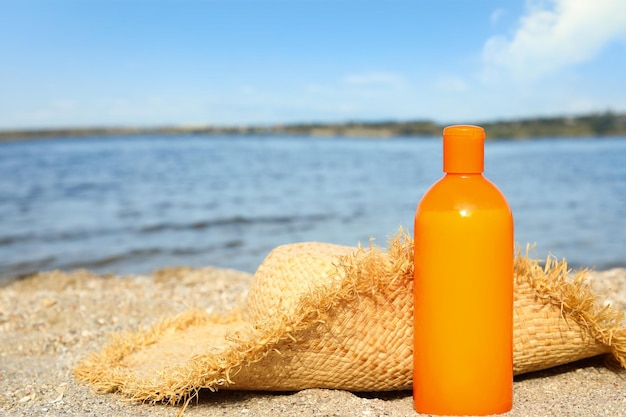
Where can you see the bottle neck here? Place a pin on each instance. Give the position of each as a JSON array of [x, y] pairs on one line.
[[463, 149]]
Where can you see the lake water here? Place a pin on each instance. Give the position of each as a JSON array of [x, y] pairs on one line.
[[134, 204]]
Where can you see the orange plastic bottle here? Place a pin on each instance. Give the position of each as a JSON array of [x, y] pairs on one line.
[[463, 343]]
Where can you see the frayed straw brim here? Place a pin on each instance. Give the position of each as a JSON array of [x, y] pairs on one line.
[[327, 316]]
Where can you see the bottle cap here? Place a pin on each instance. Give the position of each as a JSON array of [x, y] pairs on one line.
[[463, 149]]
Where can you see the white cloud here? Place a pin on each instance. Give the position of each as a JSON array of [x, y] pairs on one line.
[[247, 90], [553, 35], [63, 105], [497, 15], [382, 79], [452, 84], [314, 88], [63, 112]]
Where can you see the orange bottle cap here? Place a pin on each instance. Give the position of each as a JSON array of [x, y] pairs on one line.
[[464, 149]]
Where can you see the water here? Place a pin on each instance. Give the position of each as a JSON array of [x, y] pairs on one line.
[[134, 204]]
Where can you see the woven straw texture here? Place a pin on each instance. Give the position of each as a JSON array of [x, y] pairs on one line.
[[327, 316]]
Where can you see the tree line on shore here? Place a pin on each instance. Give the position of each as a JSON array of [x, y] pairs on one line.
[[590, 125]]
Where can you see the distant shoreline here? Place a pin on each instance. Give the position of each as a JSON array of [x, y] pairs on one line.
[[590, 125]]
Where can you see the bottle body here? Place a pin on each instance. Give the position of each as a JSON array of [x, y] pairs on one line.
[[463, 290]]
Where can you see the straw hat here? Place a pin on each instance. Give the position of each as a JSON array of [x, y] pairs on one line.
[[328, 316]]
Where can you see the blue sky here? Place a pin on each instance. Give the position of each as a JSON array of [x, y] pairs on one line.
[[232, 62]]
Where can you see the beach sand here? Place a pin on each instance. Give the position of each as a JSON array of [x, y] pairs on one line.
[[48, 322]]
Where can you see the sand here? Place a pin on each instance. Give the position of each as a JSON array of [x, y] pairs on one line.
[[49, 321]]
